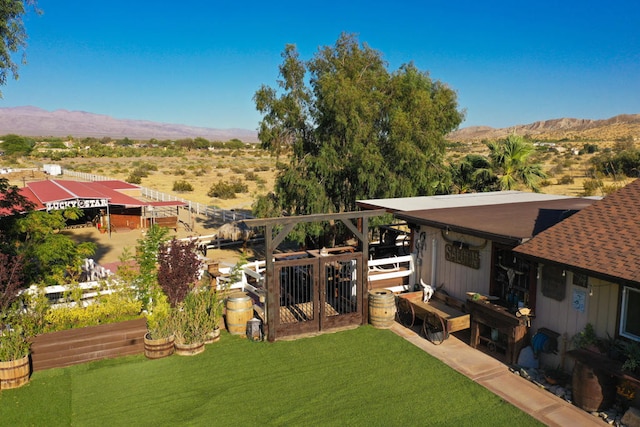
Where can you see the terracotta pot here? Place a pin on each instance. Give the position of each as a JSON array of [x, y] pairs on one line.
[[189, 349], [158, 348], [14, 373]]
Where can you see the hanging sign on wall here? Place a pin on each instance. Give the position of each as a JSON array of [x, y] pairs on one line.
[[462, 255]]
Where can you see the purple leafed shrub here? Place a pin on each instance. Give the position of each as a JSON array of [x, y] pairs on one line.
[[178, 269], [10, 279]]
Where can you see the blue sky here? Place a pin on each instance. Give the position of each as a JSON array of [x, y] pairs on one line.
[[199, 63]]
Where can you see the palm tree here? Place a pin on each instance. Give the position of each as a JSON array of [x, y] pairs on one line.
[[511, 162], [473, 173]]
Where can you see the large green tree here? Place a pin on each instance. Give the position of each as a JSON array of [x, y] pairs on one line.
[[15, 144], [13, 37], [354, 130], [51, 257]]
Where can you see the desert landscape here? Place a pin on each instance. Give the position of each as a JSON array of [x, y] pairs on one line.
[[559, 142]]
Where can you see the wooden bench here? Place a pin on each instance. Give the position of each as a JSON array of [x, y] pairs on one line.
[[441, 315]]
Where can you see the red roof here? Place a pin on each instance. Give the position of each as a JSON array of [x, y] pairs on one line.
[[602, 239], [57, 190], [28, 194], [115, 184]]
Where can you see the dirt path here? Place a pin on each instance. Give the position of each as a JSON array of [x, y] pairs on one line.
[[111, 246]]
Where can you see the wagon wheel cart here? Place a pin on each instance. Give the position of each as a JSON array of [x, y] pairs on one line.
[[434, 328], [405, 313], [439, 319]]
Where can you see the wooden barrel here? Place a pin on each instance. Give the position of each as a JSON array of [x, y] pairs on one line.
[[158, 348], [213, 336], [382, 308], [189, 349], [239, 312], [593, 389], [14, 373]]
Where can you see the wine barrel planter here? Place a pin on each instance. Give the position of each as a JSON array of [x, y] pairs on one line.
[[239, 312], [14, 373], [213, 336], [593, 389], [189, 349], [382, 308], [158, 348]]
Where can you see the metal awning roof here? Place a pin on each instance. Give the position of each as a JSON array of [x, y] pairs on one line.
[[508, 223], [405, 204]]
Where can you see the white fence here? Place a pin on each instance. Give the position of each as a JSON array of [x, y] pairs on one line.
[[250, 279], [212, 212]]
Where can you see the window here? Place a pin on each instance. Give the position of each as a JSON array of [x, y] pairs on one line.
[[554, 282], [630, 317]]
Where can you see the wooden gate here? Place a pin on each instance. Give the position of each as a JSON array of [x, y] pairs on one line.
[[340, 287], [318, 293]]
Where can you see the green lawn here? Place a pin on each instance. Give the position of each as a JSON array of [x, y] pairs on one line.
[[365, 376]]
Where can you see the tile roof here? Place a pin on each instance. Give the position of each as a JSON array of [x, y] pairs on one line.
[[602, 239], [510, 223]]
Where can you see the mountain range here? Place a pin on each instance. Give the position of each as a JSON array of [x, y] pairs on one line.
[[34, 121], [621, 126]]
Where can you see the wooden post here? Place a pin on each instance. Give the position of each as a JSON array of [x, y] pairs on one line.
[[270, 283]]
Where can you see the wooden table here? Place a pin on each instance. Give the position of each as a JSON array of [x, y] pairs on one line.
[[497, 317]]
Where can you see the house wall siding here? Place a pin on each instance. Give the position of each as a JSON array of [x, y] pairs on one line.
[[562, 317], [603, 307], [456, 279]]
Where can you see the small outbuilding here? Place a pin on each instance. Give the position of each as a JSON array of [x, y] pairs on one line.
[[110, 204]]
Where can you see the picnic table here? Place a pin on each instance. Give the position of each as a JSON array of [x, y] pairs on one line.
[[441, 315]]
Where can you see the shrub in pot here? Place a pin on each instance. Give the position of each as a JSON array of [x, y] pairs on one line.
[[14, 357], [191, 323], [587, 339], [631, 357], [215, 304], [159, 340]]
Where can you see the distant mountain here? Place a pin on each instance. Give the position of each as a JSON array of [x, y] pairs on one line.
[[616, 127], [34, 121]]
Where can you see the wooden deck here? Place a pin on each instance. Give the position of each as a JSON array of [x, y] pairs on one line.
[[303, 312]]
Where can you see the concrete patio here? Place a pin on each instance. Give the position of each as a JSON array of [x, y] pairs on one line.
[[496, 377]]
